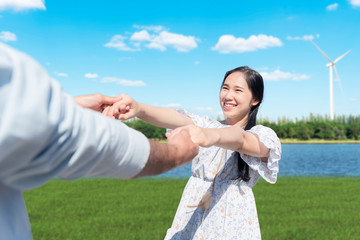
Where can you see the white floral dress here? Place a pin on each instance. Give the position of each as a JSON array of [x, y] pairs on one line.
[[232, 213]]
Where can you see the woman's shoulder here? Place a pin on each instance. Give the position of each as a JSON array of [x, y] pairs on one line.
[[201, 121], [264, 131]]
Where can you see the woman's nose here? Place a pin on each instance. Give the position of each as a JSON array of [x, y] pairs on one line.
[[228, 95]]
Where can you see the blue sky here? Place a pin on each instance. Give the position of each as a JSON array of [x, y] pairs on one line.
[[175, 54]]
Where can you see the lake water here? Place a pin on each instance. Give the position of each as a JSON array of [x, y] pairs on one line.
[[307, 160]]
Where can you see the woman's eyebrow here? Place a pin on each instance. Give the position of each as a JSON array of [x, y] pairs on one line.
[[237, 86]]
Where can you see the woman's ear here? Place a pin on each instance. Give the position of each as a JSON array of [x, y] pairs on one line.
[[254, 102]]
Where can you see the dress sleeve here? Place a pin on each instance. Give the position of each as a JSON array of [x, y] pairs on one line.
[[198, 121], [268, 170]]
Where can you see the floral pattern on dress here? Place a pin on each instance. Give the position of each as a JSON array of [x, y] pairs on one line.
[[232, 213]]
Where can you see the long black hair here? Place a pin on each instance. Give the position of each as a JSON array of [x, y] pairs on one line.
[[256, 85]]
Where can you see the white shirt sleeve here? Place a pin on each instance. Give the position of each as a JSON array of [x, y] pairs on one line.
[[45, 134]]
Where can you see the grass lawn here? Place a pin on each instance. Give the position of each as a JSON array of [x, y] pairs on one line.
[[293, 208]]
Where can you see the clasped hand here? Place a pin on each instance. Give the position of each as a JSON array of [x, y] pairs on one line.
[[121, 107], [124, 107], [204, 137]]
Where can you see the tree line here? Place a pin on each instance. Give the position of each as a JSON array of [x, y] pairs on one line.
[[312, 127], [316, 127]]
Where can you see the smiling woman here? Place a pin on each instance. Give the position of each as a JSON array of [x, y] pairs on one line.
[[234, 154]]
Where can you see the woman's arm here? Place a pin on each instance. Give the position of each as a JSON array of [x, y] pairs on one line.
[[163, 117], [233, 138], [127, 108]]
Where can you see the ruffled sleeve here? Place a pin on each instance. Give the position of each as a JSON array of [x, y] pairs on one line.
[[203, 122], [267, 170]]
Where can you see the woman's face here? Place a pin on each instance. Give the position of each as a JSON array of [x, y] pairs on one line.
[[236, 99]]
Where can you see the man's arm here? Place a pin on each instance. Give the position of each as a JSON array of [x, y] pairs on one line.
[[44, 134], [163, 157]]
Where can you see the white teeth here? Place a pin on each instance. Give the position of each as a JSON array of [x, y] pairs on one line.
[[229, 105]]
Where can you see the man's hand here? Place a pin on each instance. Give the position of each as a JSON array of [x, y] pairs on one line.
[[96, 102], [179, 151], [185, 148]]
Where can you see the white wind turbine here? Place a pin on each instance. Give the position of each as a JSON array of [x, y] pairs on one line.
[[331, 65]]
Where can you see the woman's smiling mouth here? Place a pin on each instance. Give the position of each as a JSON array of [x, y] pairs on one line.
[[229, 106]]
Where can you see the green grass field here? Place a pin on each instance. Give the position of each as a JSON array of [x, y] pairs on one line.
[[293, 208]]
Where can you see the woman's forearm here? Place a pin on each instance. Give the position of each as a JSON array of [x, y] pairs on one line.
[[230, 138], [162, 117], [236, 139]]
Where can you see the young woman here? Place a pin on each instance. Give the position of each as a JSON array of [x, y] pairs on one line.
[[218, 202]]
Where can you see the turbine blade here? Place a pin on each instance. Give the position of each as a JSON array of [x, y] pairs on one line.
[[338, 59], [339, 80], [321, 51]]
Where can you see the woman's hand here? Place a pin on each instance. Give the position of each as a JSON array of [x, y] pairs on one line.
[[204, 137], [125, 108]]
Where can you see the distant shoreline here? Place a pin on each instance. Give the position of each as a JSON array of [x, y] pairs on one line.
[[317, 141]]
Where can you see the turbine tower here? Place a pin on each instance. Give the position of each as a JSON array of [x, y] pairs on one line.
[[331, 66]]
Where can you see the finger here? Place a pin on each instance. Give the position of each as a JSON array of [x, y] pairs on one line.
[[124, 116], [124, 108], [175, 132], [114, 109], [110, 100], [111, 111], [105, 111], [119, 97]]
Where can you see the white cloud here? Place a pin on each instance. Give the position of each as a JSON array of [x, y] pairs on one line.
[[332, 7], [180, 42], [169, 105], [154, 40], [204, 109], [141, 36], [355, 3], [7, 36], [91, 75], [229, 44], [19, 5], [61, 74], [117, 42], [305, 37], [197, 62], [149, 28], [123, 82], [172, 105], [277, 75]]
